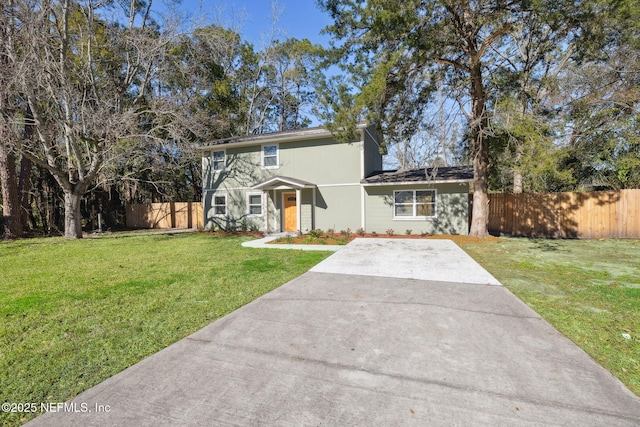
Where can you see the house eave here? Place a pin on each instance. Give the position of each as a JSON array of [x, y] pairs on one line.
[[439, 181], [278, 137]]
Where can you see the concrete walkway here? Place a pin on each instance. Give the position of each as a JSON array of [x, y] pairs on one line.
[[382, 333], [264, 244]]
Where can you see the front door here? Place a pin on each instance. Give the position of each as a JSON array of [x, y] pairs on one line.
[[290, 212]]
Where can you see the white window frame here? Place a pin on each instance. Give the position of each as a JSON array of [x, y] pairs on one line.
[[414, 204], [262, 156], [224, 160], [214, 205], [249, 205]]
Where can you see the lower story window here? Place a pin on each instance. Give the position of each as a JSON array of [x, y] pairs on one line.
[[414, 204], [255, 204], [220, 204]]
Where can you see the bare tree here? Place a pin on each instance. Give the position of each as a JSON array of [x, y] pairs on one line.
[[87, 82]]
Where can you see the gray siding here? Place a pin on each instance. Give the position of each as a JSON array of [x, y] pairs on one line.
[[338, 208], [336, 168], [236, 216], [372, 155], [321, 162], [452, 203]]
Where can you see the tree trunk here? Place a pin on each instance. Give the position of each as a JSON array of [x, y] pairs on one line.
[[517, 181], [480, 210], [10, 203], [72, 217], [26, 164], [480, 152]]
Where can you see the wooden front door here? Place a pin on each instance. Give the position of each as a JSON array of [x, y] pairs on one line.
[[290, 212]]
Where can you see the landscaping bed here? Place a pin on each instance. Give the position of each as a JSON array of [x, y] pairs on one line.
[[342, 238]]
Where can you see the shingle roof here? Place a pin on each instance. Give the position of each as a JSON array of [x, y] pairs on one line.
[[425, 175]]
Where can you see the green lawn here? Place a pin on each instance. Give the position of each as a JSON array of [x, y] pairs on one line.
[[587, 289], [73, 313]]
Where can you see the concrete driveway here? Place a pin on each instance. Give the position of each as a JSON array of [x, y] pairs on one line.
[[382, 333]]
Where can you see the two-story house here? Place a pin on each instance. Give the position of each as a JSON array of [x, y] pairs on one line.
[[304, 179]]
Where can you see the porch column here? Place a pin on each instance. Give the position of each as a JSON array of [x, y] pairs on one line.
[[265, 206], [313, 210], [298, 210]]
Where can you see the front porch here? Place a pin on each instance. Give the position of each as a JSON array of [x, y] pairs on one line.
[[289, 204]]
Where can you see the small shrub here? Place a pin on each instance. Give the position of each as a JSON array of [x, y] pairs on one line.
[[374, 234], [346, 233], [331, 232], [316, 233], [360, 232], [390, 232], [299, 233], [407, 232], [424, 233], [244, 226], [254, 228]]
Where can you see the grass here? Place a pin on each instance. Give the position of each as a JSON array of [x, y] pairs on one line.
[[73, 313], [587, 289]]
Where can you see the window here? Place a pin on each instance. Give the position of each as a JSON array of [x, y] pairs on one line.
[[218, 160], [414, 204], [220, 205], [270, 156], [254, 204]]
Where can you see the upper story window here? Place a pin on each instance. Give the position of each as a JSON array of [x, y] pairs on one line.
[[218, 160], [414, 204], [270, 156]]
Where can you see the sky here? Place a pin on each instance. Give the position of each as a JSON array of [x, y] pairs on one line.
[[296, 18]]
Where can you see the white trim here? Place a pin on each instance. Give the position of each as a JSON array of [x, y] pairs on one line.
[[284, 189], [226, 204], [298, 209], [224, 160], [390, 184], [338, 185], [363, 208], [248, 210], [313, 209], [282, 207], [267, 138], [286, 182], [265, 210], [414, 204], [362, 158], [277, 165]]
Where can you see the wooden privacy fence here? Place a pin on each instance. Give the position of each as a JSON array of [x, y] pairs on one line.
[[589, 215], [165, 215]]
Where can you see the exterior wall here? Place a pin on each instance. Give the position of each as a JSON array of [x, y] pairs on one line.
[[338, 207], [336, 168], [452, 210], [320, 162], [372, 156], [306, 206], [236, 217]]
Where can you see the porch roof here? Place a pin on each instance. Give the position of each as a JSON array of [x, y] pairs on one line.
[[283, 182]]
